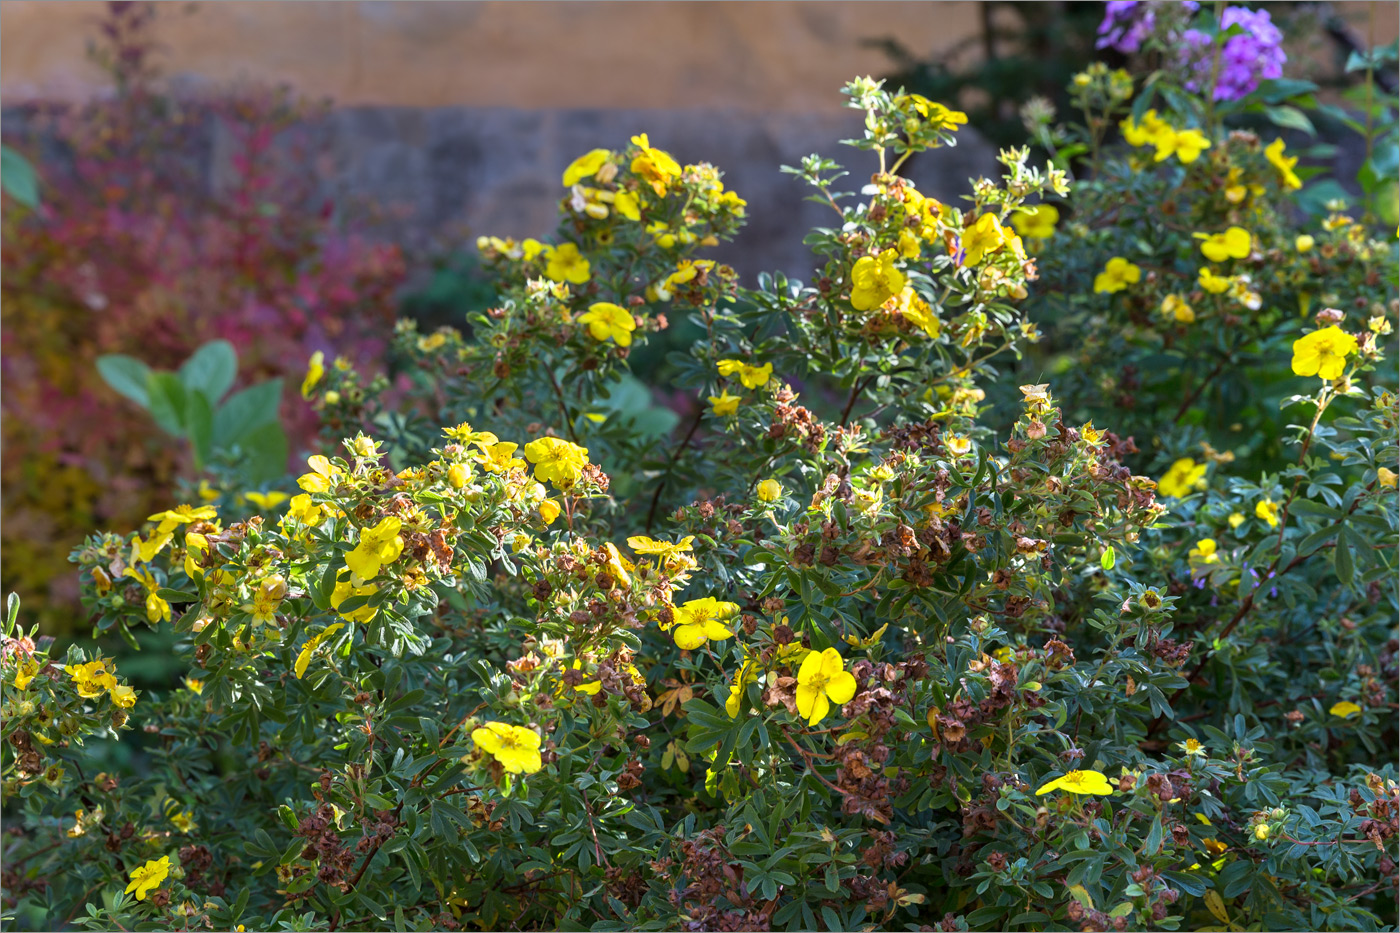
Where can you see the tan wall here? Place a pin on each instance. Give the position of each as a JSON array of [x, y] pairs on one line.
[[790, 56]]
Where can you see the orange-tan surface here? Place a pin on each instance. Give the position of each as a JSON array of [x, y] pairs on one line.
[[761, 56]]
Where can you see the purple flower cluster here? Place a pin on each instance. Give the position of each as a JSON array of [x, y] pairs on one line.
[[1126, 24], [1245, 59]]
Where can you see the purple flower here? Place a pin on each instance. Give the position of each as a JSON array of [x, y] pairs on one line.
[[1126, 23], [1129, 23], [1245, 59]]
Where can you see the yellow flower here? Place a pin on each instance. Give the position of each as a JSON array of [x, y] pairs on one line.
[[464, 434], [304, 656], [566, 264], [1236, 519], [1117, 275], [628, 205], [1215, 284], [654, 165], [1204, 551], [345, 589], [1267, 509], [1386, 477], [1181, 478], [585, 166], [1304, 243], [909, 246], [958, 445], [1146, 132], [745, 675], [984, 236], [1323, 352], [266, 599], [724, 403], [1344, 709], [266, 501], [699, 620], [498, 458], [1036, 223], [1176, 307], [183, 514], [662, 550], [549, 511], [157, 609], [1186, 145], [92, 679], [144, 550], [24, 673], [378, 546], [751, 377], [938, 116], [770, 490], [458, 474], [1234, 243], [515, 747], [123, 696], [557, 460], [322, 476], [1192, 747], [303, 510], [1261, 832], [315, 370], [1078, 782], [183, 820], [206, 492], [822, 680], [607, 321], [194, 685], [148, 877], [916, 311], [1274, 153], [874, 280]]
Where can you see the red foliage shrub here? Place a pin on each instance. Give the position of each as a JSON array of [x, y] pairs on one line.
[[143, 247]]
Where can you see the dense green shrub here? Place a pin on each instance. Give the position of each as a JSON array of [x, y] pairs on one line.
[[522, 652]]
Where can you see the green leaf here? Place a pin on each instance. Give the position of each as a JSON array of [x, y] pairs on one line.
[[127, 375], [1290, 118], [245, 412], [1342, 561], [167, 404], [1108, 558], [11, 612], [199, 423], [265, 453], [210, 370], [18, 178]]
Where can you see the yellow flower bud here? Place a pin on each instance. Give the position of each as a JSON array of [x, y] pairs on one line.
[[458, 474], [769, 490]]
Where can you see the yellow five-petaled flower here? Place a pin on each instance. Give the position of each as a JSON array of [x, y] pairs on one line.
[[607, 321], [557, 460], [1323, 353], [515, 747], [1117, 275], [875, 279], [701, 620], [822, 680], [148, 877], [751, 377], [378, 546], [1078, 782]]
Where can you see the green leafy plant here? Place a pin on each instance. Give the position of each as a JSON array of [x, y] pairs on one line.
[[242, 431]]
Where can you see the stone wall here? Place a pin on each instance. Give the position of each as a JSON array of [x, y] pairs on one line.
[[461, 172]]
